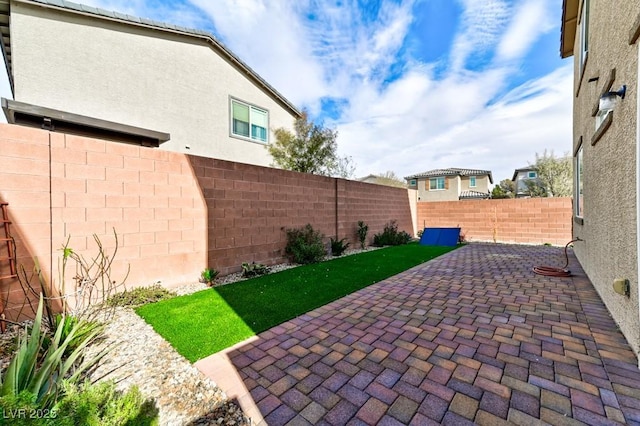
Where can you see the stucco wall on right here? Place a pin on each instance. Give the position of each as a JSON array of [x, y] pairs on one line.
[[608, 227]]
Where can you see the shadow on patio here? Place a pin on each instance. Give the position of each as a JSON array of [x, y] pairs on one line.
[[473, 336]]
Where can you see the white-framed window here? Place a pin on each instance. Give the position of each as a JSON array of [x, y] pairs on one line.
[[584, 33], [472, 181], [436, 184], [249, 121], [532, 175], [412, 182], [578, 173]]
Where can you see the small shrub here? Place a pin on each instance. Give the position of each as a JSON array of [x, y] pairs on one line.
[[362, 231], [338, 246], [208, 276], [254, 269], [304, 245], [140, 296], [390, 236], [102, 404], [419, 233]]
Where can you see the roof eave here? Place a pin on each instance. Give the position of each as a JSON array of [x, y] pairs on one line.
[[569, 27]]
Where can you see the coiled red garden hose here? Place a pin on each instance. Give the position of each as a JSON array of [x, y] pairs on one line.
[[550, 271]]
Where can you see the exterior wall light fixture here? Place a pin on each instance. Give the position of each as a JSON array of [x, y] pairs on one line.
[[608, 103], [608, 100]]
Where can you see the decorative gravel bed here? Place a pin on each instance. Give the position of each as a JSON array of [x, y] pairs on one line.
[[184, 396]]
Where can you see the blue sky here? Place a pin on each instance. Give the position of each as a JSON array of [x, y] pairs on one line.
[[409, 85]]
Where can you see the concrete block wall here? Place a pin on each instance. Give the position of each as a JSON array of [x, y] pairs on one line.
[[522, 220], [67, 188], [250, 207], [174, 214], [374, 204]]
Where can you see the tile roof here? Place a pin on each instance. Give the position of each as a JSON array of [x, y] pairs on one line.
[[452, 171], [474, 195], [150, 23]]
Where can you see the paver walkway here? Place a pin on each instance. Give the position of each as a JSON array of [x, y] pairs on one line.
[[471, 337]]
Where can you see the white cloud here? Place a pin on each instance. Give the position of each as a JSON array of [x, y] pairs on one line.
[[450, 126], [529, 21], [483, 22]]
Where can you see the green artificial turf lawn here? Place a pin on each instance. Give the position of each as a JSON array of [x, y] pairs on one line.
[[208, 321]]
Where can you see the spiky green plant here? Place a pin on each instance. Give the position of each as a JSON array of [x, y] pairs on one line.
[[40, 364]]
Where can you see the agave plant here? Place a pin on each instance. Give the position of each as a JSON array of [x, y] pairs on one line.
[[40, 363]]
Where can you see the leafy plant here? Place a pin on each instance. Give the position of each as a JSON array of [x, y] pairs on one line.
[[338, 246], [82, 329], [420, 232], [390, 236], [304, 245], [83, 404], [208, 276], [254, 269], [102, 404], [140, 296], [362, 231], [38, 368]]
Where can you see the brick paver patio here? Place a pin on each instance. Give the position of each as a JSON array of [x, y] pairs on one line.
[[471, 337]]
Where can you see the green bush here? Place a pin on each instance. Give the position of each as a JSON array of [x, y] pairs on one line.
[[362, 231], [254, 269], [208, 276], [304, 245], [140, 296], [101, 404], [390, 236], [81, 404], [338, 246]]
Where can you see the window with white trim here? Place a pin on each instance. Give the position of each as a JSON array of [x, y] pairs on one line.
[[412, 182], [436, 184], [248, 121], [532, 175], [578, 173], [472, 181], [584, 33]]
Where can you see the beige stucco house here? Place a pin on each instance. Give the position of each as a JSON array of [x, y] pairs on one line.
[[521, 178], [451, 184], [603, 38], [90, 70]]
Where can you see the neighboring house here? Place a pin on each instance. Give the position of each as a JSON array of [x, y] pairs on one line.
[[522, 178], [77, 68], [603, 38], [451, 184]]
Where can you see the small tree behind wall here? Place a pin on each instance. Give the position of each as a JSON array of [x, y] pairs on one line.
[[310, 149]]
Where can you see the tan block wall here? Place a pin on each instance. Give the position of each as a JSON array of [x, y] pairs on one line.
[[63, 187], [375, 205], [174, 214], [522, 221]]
